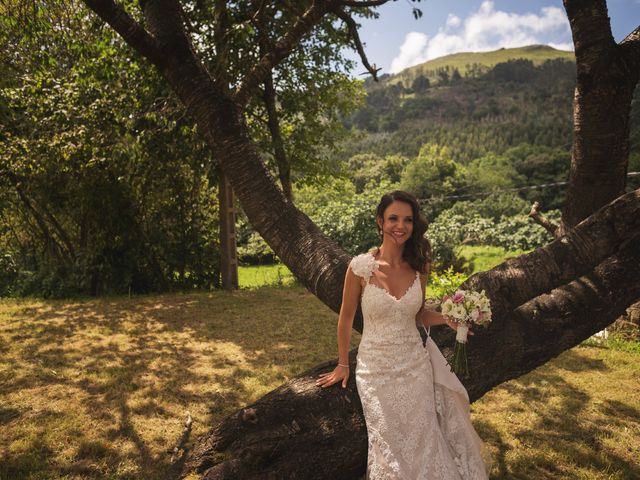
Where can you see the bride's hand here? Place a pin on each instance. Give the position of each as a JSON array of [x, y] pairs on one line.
[[454, 325], [329, 378]]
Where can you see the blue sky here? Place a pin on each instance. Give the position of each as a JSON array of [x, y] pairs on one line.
[[396, 40]]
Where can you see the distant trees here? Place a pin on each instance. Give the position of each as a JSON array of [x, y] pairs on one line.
[[420, 84], [517, 70], [433, 174], [492, 172]]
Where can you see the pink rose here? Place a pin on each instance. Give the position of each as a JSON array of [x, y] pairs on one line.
[[457, 297]]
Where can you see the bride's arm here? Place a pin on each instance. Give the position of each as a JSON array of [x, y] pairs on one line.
[[430, 318], [350, 298]]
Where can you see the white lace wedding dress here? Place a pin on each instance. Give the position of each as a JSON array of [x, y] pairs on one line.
[[415, 408]]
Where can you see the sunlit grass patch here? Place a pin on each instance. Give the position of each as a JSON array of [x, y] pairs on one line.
[[254, 276], [577, 417], [481, 258]]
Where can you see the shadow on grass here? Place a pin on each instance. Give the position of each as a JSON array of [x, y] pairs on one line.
[[155, 336], [561, 440], [159, 335]]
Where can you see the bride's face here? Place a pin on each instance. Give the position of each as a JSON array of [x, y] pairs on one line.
[[397, 224]]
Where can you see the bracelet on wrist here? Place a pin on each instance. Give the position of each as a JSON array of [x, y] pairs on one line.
[[343, 365]]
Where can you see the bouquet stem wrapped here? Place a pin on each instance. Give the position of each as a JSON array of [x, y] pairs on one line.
[[465, 308]]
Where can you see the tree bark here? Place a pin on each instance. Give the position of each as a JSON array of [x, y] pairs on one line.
[[606, 78]]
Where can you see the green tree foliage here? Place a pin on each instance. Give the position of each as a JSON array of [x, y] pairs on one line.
[[541, 165], [433, 174], [492, 172], [492, 206], [106, 185], [515, 232]]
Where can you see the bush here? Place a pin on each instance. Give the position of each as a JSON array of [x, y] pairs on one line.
[[443, 283], [256, 251]]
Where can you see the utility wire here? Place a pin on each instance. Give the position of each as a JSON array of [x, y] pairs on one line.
[[529, 187]]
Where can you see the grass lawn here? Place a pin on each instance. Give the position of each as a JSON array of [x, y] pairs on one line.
[[99, 389], [480, 258], [256, 276]]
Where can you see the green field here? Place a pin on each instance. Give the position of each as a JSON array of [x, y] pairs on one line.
[[481, 258]]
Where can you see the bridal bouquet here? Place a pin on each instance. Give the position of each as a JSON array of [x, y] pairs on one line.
[[465, 307]]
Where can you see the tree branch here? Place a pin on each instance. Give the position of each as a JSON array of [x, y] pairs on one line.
[[281, 49], [630, 49], [353, 33], [279, 153], [220, 37], [518, 280], [273, 121], [130, 30], [540, 219], [166, 21], [371, 3]]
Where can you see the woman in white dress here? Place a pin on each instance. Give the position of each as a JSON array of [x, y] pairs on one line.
[[415, 408]]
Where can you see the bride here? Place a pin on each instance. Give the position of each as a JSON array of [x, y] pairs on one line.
[[416, 410]]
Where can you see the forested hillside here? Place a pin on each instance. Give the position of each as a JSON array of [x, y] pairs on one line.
[[515, 102], [501, 126]]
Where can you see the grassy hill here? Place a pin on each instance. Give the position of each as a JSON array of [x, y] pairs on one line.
[[475, 63]]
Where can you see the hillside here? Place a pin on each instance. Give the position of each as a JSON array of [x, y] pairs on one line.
[[515, 118], [475, 63], [512, 103]]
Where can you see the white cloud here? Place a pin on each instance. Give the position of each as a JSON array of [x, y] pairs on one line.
[[484, 30], [453, 21], [561, 46], [412, 51]]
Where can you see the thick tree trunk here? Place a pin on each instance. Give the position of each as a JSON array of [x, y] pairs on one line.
[[302, 431], [313, 258], [604, 88]]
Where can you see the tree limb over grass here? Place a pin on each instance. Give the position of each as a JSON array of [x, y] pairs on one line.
[[302, 431]]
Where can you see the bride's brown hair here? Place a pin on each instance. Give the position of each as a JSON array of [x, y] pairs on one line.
[[417, 250]]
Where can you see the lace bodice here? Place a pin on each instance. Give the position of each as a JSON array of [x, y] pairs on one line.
[[387, 319]]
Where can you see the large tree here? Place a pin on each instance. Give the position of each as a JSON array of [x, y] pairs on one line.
[[544, 302]]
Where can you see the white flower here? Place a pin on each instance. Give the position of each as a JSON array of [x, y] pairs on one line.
[[364, 265]]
